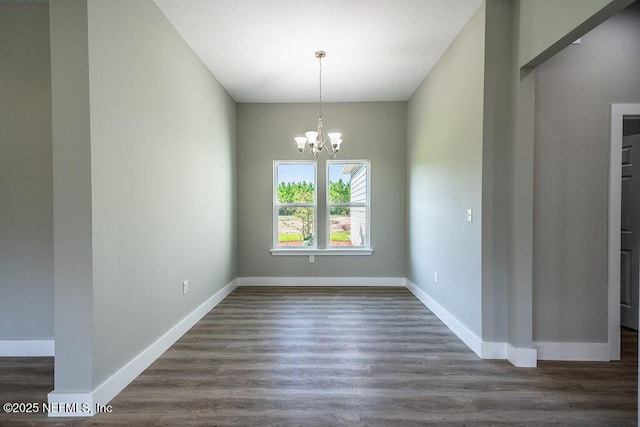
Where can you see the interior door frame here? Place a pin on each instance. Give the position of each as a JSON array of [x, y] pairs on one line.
[[618, 111]]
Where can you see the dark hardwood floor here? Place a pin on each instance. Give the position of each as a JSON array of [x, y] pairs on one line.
[[341, 356]]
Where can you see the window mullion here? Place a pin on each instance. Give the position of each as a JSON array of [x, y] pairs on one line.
[[294, 206]]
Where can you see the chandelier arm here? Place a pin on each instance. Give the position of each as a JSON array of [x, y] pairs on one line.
[[330, 151]]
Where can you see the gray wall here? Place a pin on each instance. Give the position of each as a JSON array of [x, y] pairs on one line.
[[26, 191], [375, 131], [444, 173], [546, 26], [72, 196], [496, 137], [162, 174], [573, 92], [163, 179]]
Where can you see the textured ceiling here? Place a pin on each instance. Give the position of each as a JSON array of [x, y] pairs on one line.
[[263, 50]]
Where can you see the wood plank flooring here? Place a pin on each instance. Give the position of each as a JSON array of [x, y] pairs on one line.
[[341, 356]]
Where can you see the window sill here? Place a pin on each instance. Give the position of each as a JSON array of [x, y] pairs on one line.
[[332, 252]]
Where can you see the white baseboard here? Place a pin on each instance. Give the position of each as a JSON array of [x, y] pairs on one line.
[[522, 357], [87, 404], [493, 350], [27, 348], [576, 351], [321, 281], [469, 338], [70, 404]]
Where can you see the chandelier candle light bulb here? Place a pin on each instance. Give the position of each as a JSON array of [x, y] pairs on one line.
[[301, 141], [316, 139], [336, 140]]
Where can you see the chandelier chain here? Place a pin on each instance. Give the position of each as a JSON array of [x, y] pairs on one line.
[[320, 86], [315, 139]]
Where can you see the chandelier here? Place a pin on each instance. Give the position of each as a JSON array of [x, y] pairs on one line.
[[316, 140]]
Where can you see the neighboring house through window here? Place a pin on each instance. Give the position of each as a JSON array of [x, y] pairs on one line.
[[348, 203]]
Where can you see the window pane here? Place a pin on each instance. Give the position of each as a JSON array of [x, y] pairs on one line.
[[339, 184], [348, 183], [295, 183], [295, 226], [348, 226]]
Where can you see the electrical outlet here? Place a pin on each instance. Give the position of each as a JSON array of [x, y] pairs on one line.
[[312, 258], [185, 287], [435, 277]]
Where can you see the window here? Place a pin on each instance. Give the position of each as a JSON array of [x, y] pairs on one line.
[[294, 204], [341, 218], [348, 203]]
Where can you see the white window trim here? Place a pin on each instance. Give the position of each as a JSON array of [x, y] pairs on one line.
[[276, 206], [314, 250], [323, 252], [367, 205]]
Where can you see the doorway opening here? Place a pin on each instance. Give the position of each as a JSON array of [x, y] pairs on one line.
[[623, 253]]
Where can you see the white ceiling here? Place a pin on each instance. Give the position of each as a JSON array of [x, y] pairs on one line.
[[263, 50]]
